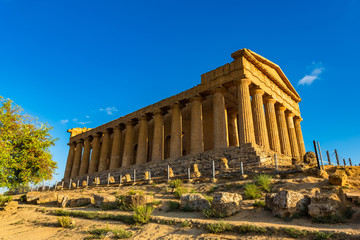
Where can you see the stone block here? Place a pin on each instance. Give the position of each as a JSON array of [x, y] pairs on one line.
[[339, 178], [194, 201], [224, 164], [324, 205], [226, 204], [103, 199], [50, 197], [11, 206], [32, 197], [137, 200], [79, 202], [84, 184], [195, 173], [111, 179]]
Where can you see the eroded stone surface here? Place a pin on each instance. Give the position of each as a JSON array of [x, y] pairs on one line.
[[137, 200], [194, 201], [323, 205], [226, 204], [339, 178]]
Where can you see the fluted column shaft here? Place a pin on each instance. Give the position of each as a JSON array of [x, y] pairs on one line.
[[220, 126], [158, 138], [272, 125], [128, 145], [142, 148], [176, 131], [115, 160], [105, 148], [246, 125], [261, 133], [196, 132], [299, 136], [233, 128], [95, 155], [292, 135], [84, 166], [283, 131], [70, 160], [77, 158]]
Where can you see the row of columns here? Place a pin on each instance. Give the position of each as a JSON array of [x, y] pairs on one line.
[[264, 123]]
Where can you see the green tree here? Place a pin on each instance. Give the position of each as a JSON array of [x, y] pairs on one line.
[[24, 147]]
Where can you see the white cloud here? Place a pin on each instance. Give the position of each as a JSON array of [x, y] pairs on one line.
[[65, 121], [315, 73], [87, 116], [109, 110], [83, 123], [75, 120]]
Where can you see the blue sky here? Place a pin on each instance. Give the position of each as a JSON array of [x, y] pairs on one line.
[[84, 63]]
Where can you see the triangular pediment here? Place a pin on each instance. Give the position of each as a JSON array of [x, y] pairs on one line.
[[270, 69]]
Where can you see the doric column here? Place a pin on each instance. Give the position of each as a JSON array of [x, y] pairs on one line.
[[70, 160], [84, 166], [77, 158], [233, 128], [220, 127], [176, 131], [115, 160], [105, 148], [196, 131], [283, 131], [246, 125], [299, 136], [158, 137], [261, 134], [95, 154], [128, 145], [292, 135], [142, 148], [272, 125]]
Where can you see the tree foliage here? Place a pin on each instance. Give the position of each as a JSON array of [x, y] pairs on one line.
[[24, 147]]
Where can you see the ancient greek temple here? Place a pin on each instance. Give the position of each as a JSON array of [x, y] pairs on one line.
[[246, 104]]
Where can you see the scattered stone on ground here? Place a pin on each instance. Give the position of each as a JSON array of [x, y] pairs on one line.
[[226, 204], [310, 158], [47, 198], [138, 200], [194, 201], [325, 205], [106, 201], [195, 173], [339, 178], [11, 206]]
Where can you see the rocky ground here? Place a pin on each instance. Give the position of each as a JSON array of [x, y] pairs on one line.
[[308, 204]]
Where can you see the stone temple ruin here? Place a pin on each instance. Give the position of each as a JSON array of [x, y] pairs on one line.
[[246, 111]]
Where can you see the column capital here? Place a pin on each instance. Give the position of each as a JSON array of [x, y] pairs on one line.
[[79, 141], [218, 90], [88, 138], [97, 135], [143, 118], [298, 119], [281, 108], [232, 111], [289, 114], [243, 81], [176, 105], [117, 127], [196, 98], [257, 90], [269, 99], [71, 144], [129, 123]]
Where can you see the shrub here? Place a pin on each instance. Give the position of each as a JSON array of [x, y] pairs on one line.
[[4, 199], [329, 219], [23, 198], [210, 213], [185, 224], [179, 191], [122, 205], [264, 181], [295, 233], [259, 203], [142, 214], [252, 191], [134, 192], [219, 227], [66, 222], [212, 189], [208, 198], [247, 228], [322, 235], [120, 233], [173, 205], [175, 183]]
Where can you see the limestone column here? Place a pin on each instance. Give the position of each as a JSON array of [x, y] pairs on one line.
[[283, 131], [128, 145], [220, 127], [196, 131], [176, 131], [115, 160], [292, 135], [246, 125], [70, 161], [95, 155], [105, 148], [272, 125], [261, 133], [77, 158], [142, 148], [84, 166], [299, 136], [158, 137], [233, 128]]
